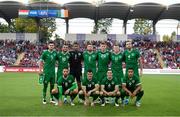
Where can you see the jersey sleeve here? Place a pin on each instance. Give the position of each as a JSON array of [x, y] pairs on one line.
[[138, 82], [95, 80], [124, 80], [123, 56], [115, 80], [84, 83], [70, 56], [103, 81], [57, 55], [59, 82], [138, 54], [121, 79], [42, 58], [73, 79], [97, 55], [81, 56], [110, 54]]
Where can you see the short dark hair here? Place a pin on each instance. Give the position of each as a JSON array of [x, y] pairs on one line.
[[88, 43], [75, 43], [116, 44], [65, 45], [109, 69], [51, 42], [89, 71], [130, 68], [65, 68], [129, 41], [103, 43]]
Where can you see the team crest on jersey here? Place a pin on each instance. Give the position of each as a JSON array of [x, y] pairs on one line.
[[79, 54], [89, 59], [52, 57], [109, 85], [116, 59], [69, 81], [66, 84], [103, 56], [89, 85], [133, 81], [63, 59]]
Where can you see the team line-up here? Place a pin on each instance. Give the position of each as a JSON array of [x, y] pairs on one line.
[[99, 81]]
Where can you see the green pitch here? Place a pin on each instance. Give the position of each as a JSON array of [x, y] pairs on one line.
[[20, 94]]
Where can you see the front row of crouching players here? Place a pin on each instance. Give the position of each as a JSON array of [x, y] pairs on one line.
[[130, 85]]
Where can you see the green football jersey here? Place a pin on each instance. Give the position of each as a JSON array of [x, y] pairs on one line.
[[49, 59], [109, 85], [131, 83], [131, 57], [116, 66], [89, 84], [63, 60], [116, 61], [67, 82], [103, 60], [89, 60]]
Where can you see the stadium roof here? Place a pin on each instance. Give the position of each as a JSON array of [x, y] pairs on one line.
[[9, 9], [123, 11]]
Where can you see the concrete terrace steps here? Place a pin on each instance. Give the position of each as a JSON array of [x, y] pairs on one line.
[[20, 57]]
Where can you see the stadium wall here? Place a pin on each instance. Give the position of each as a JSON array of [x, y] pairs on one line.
[[36, 69], [92, 37], [32, 37], [177, 38]]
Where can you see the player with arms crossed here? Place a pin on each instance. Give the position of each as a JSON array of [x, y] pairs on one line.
[[90, 87], [66, 86], [47, 63]]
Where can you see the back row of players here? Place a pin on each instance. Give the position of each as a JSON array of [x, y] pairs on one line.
[[98, 80]]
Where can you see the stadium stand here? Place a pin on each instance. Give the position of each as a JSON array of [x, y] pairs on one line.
[[8, 52], [152, 53], [32, 54]]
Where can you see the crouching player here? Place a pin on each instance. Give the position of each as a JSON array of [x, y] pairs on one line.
[[109, 88], [90, 87], [132, 86], [66, 86]]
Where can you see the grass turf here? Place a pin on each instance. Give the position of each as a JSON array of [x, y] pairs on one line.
[[20, 94]]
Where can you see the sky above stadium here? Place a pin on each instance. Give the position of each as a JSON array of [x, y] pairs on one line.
[[84, 25]]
